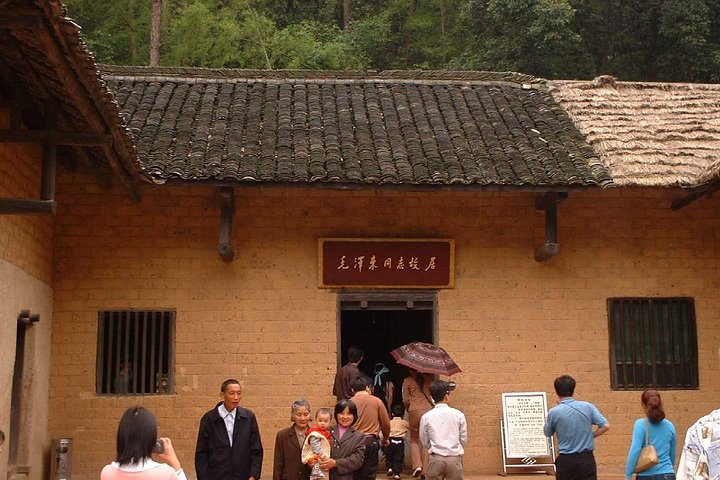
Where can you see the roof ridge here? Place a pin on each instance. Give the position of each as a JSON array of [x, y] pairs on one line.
[[320, 81], [607, 81], [215, 75]]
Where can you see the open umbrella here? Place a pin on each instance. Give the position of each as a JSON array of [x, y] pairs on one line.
[[426, 358]]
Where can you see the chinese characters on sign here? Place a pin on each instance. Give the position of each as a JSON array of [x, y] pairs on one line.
[[524, 416], [402, 263], [358, 262]]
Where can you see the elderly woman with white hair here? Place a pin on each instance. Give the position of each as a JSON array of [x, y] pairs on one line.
[[287, 464]]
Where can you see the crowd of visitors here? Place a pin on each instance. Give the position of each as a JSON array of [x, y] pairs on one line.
[[229, 445]]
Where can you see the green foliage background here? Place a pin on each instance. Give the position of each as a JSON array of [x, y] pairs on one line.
[[664, 40]]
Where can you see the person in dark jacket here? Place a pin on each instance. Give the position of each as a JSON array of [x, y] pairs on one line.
[[344, 375], [287, 464], [228, 445], [347, 445]]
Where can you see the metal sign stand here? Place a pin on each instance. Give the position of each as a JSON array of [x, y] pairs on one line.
[[529, 464]]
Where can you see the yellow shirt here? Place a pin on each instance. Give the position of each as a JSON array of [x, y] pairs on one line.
[[398, 427]]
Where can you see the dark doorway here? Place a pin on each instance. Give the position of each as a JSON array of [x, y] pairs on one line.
[[381, 322]]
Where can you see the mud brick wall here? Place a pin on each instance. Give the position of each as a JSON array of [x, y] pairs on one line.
[[512, 324]]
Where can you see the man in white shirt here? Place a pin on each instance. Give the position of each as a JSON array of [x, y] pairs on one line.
[[443, 431]]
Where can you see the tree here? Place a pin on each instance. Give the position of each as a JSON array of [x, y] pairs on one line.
[[155, 33], [530, 36], [116, 32], [345, 14], [238, 36], [651, 39], [685, 50], [630, 39]]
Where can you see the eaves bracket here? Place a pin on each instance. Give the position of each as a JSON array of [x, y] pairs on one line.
[[227, 211], [46, 204], [548, 202]]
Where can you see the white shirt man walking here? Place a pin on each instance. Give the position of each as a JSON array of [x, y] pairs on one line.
[[443, 431]]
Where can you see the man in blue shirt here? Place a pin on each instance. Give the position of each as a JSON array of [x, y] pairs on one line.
[[572, 421]]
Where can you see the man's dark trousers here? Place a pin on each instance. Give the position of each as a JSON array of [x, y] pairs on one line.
[[576, 466], [368, 471]]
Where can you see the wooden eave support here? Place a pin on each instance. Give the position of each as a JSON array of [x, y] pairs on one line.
[[21, 206], [706, 190], [55, 137], [78, 92], [227, 210], [46, 204], [21, 18], [102, 179], [548, 202]]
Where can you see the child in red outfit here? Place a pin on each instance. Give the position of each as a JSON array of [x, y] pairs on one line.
[[317, 444]]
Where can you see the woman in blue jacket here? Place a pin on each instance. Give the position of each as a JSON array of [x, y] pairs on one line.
[[662, 437]]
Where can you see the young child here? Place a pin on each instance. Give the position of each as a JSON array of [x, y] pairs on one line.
[[395, 450], [317, 443]]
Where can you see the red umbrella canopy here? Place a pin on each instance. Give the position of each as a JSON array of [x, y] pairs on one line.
[[426, 358]]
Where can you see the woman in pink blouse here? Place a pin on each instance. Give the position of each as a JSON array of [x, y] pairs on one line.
[[136, 442]]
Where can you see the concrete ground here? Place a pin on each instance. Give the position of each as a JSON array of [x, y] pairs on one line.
[[539, 476], [525, 476]]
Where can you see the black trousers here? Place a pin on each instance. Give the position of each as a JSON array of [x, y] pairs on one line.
[[576, 466], [368, 471], [395, 455]]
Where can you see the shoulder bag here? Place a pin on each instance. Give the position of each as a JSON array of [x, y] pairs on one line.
[[648, 456]]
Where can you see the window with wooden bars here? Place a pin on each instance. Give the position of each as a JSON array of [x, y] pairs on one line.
[[135, 354], [653, 343]]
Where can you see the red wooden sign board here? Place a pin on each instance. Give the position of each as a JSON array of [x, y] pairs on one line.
[[386, 263]]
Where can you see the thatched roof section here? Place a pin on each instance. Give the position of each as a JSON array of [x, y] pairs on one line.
[[44, 61], [648, 134]]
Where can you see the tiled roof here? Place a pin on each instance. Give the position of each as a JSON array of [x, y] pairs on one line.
[[648, 134], [417, 128]]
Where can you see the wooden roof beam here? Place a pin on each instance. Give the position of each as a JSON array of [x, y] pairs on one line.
[[49, 157], [87, 163], [548, 202], [16, 18], [227, 210], [21, 206], [56, 137], [76, 90], [46, 205], [706, 190], [16, 106], [20, 105]]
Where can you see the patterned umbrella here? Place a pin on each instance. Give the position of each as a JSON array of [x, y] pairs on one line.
[[426, 358]]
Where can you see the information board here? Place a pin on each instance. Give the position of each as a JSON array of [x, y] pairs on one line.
[[524, 416]]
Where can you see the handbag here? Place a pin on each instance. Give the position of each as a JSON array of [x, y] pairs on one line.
[[648, 456]]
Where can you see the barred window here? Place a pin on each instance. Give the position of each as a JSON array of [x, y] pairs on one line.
[[653, 343], [135, 353]]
